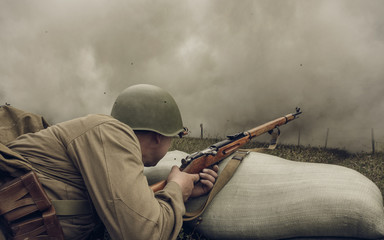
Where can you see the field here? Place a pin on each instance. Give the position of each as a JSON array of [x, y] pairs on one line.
[[370, 165]]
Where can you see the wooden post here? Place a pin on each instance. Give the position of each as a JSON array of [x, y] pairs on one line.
[[326, 139], [298, 140], [201, 131], [373, 142]]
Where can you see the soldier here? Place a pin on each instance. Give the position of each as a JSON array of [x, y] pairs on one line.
[[98, 161]]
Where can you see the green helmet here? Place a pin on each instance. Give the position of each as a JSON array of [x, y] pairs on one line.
[[150, 108]]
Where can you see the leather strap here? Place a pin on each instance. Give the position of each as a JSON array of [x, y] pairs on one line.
[[275, 138], [71, 207], [28, 212], [228, 172], [224, 177]]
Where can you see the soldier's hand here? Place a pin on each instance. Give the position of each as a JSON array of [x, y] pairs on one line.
[[207, 180], [186, 181]]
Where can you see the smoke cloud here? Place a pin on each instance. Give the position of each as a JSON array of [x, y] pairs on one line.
[[230, 65]]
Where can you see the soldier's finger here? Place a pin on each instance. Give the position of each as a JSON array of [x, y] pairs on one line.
[[195, 177], [206, 176], [207, 183], [210, 172]]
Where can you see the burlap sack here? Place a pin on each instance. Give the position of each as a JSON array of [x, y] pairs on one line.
[[274, 198], [13, 123]]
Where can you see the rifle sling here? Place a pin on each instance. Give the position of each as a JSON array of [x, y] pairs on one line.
[[227, 174], [224, 177]]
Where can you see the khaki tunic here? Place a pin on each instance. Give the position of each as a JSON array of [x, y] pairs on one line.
[[99, 158]]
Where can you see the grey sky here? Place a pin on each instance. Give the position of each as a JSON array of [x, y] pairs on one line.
[[230, 65]]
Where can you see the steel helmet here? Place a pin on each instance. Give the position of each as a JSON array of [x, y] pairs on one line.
[[150, 108]]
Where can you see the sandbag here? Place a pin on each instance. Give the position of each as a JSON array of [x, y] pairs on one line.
[[273, 198]]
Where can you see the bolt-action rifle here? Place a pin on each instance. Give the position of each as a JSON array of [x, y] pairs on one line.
[[196, 162]]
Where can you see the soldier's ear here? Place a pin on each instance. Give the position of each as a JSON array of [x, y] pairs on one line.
[[157, 138]]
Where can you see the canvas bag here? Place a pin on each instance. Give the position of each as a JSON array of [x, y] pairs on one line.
[[273, 198], [13, 123]]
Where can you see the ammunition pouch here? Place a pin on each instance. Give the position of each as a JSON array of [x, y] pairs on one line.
[[26, 211]]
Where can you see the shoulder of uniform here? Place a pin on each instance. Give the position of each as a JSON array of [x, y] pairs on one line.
[[100, 119], [80, 126]]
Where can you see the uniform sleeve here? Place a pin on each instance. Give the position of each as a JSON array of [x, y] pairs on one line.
[[109, 159]]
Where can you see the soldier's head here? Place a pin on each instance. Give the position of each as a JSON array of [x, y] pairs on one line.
[[149, 111]]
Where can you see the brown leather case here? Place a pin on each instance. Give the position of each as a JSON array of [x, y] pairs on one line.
[[45, 227], [22, 196], [27, 209]]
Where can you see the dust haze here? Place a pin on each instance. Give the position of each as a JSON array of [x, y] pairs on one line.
[[231, 65]]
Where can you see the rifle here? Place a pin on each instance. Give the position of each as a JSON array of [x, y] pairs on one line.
[[196, 162]]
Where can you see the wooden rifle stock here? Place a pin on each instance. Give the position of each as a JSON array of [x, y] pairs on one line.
[[158, 186], [196, 162]]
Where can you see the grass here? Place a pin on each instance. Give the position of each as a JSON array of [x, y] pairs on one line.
[[370, 165]]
